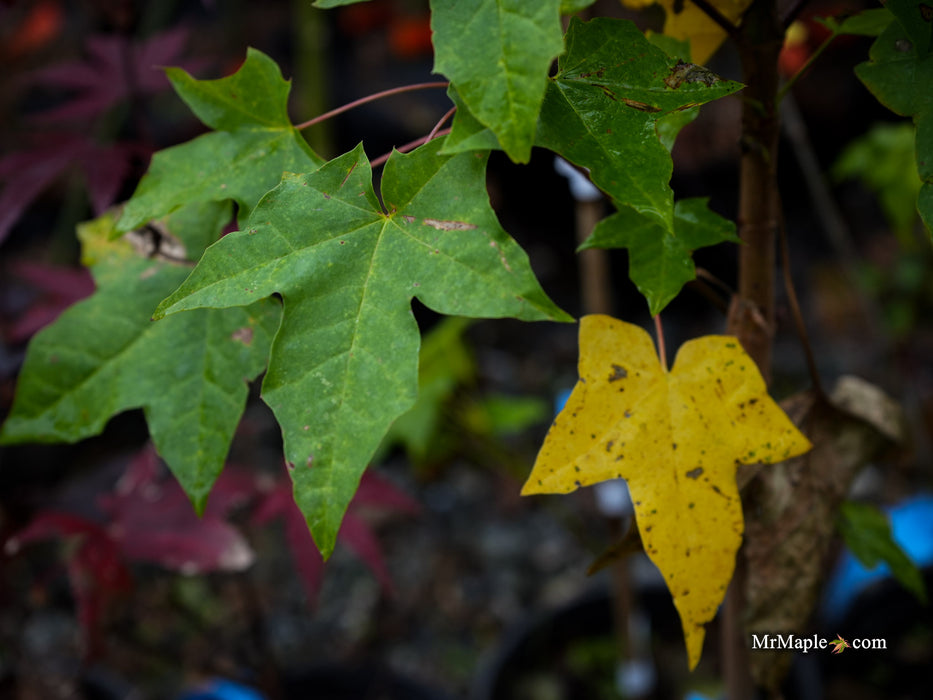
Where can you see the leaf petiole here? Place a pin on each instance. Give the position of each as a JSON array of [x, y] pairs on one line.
[[410, 146], [370, 98], [662, 351]]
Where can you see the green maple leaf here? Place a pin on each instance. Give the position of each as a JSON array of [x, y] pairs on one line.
[[614, 108], [839, 644], [659, 257], [344, 363], [900, 76], [497, 53], [104, 355], [252, 144]]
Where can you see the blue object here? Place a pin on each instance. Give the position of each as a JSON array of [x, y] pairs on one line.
[[223, 690], [911, 528]]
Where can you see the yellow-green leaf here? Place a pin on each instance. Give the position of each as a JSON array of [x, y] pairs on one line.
[[676, 437]]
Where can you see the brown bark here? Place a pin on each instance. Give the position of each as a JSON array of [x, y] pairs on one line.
[[751, 314]]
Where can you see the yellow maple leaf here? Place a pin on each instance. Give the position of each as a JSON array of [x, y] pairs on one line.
[[676, 437], [685, 20]]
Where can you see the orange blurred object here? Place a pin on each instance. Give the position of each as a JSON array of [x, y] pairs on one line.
[[41, 25], [410, 37]]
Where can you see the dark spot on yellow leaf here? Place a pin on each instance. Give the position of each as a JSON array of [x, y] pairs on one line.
[[695, 473], [618, 372], [691, 505], [628, 414], [609, 445], [673, 445]]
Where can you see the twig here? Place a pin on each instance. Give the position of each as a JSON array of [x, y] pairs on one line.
[[370, 98], [662, 351], [410, 146], [792, 301]]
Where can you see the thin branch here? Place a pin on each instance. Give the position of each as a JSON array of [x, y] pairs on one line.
[[794, 304], [662, 351], [370, 98], [728, 27], [410, 146]]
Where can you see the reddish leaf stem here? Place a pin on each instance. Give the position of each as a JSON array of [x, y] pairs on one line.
[[370, 98], [410, 146], [662, 351], [440, 123]]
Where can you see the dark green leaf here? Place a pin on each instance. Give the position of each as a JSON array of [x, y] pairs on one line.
[[344, 362], [569, 7], [601, 108], [867, 534], [902, 80], [104, 355], [327, 4], [866, 23], [497, 54], [916, 16], [659, 258], [254, 143]]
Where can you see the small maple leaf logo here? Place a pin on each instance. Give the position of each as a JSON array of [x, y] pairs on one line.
[[839, 643]]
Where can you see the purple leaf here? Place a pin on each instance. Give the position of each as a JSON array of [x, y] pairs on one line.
[[152, 520], [115, 69], [374, 493], [96, 572], [59, 288], [28, 172]]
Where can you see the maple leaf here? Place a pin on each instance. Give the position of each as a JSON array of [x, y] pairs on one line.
[[344, 363], [503, 82], [900, 75], [97, 572], [149, 519], [116, 69], [26, 173], [676, 437], [252, 144], [58, 288], [839, 644], [187, 375], [374, 493], [614, 108]]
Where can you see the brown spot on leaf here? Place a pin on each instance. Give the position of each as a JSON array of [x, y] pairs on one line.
[[640, 106], [441, 225], [618, 372], [243, 335], [695, 473]]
